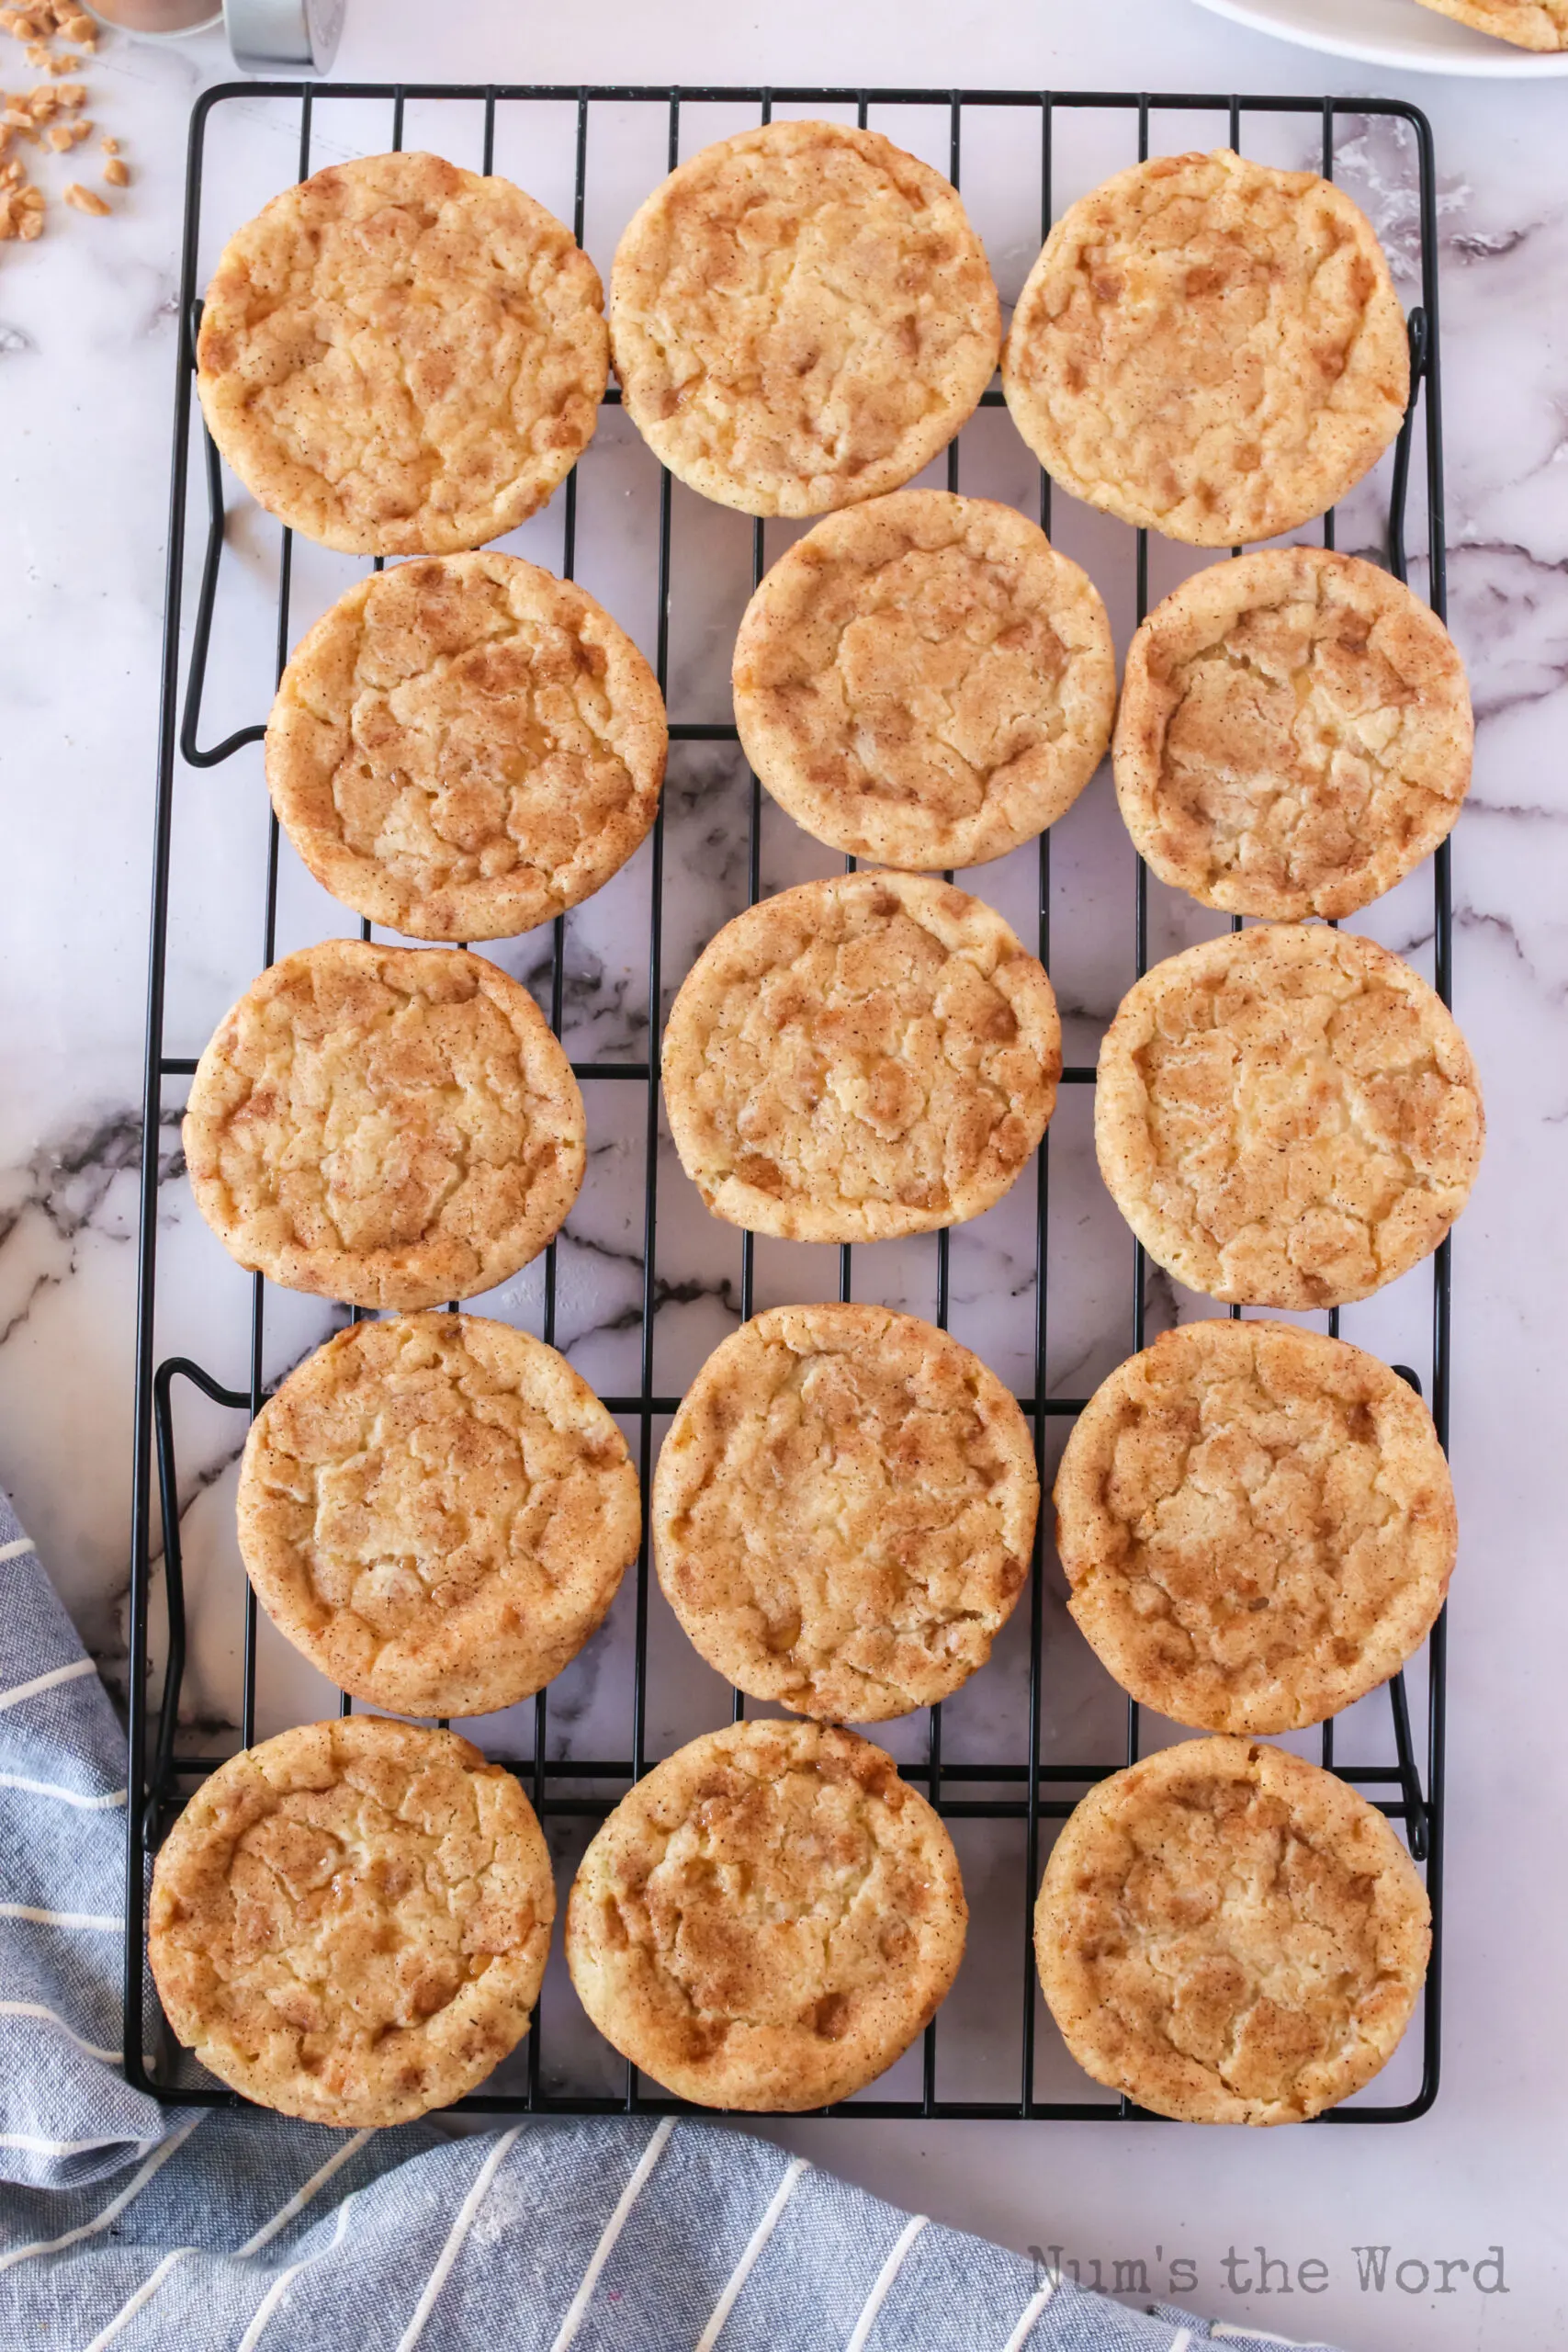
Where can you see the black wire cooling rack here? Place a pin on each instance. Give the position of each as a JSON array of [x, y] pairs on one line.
[[1018, 1788]]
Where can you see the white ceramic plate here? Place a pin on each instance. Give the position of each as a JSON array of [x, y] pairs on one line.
[[1390, 32]]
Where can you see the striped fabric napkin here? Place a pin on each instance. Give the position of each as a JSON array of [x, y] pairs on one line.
[[137, 2225]]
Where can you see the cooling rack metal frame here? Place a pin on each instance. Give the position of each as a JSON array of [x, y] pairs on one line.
[[161, 1773]]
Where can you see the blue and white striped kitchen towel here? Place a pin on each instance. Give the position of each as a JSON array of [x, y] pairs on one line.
[[135, 2225]]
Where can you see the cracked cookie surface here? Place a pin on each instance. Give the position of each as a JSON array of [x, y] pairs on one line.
[[1256, 1524], [1529, 24], [859, 1057], [1287, 1116], [1210, 348], [843, 1510], [391, 1126], [349, 1923], [398, 358], [1294, 734], [801, 316], [1230, 1935], [925, 680], [768, 1919], [438, 1511], [463, 748]]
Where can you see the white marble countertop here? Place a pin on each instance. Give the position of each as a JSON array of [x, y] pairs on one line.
[[87, 361]]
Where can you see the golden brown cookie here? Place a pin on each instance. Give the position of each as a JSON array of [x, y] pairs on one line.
[[924, 681], [860, 1058], [1229, 1935], [391, 1126], [349, 1922], [767, 1920], [1294, 734], [843, 1510], [462, 748], [1256, 1524], [1287, 1116], [1209, 347], [1529, 24], [397, 357], [438, 1511], [801, 316]]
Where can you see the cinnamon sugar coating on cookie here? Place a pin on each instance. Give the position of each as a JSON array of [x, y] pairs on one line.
[[1287, 1116], [843, 1510], [438, 1511], [1229, 1935], [861, 1057], [391, 1126], [398, 358], [1256, 1524], [1294, 734], [1529, 24], [768, 1919], [924, 681], [463, 748], [1210, 348], [349, 1923], [801, 316]]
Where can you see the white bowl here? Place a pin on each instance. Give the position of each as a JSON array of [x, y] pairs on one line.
[[1390, 32]]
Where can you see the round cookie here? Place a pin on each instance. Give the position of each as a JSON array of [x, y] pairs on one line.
[[1287, 1117], [1210, 348], [801, 316], [860, 1058], [462, 748], [397, 357], [349, 1923], [843, 1510], [1229, 1935], [924, 681], [1294, 734], [1529, 24], [438, 1511], [1256, 1524], [767, 1920], [391, 1126]]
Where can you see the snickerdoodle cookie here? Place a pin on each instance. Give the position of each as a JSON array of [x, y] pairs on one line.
[[1209, 347], [801, 316], [462, 748], [438, 1511], [1287, 1116], [1529, 24], [397, 357], [924, 681], [768, 1919], [349, 1922], [1256, 1524], [1294, 734], [392, 1126], [843, 1510], [1229, 1935], [861, 1057]]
